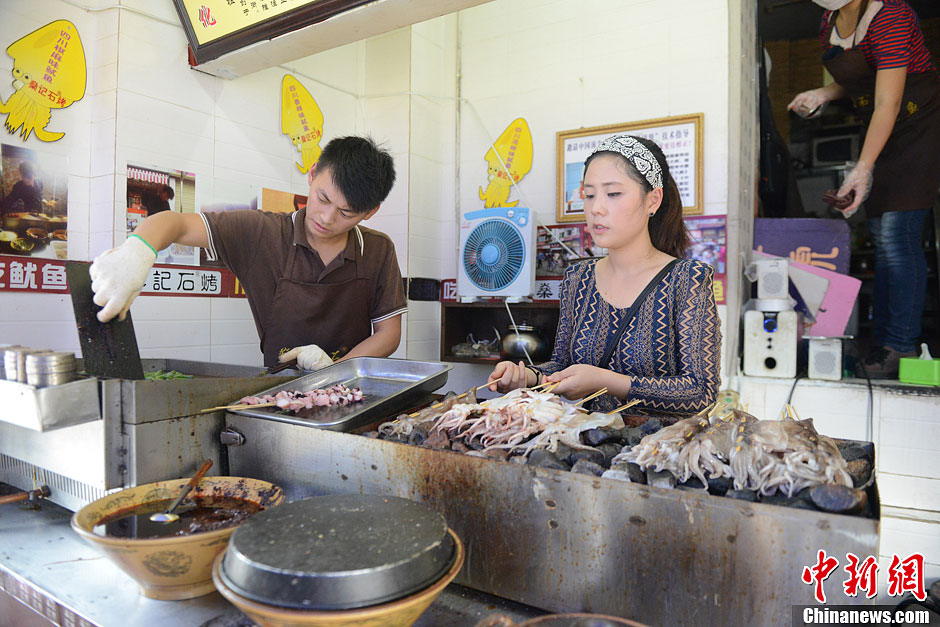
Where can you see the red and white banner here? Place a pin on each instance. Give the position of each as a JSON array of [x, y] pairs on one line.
[[47, 276], [148, 175]]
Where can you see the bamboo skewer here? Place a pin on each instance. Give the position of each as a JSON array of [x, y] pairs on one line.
[[236, 406], [436, 405], [635, 401], [594, 395]]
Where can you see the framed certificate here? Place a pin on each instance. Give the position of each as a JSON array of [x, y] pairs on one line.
[[680, 138]]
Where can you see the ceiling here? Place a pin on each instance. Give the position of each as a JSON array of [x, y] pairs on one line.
[[799, 19]]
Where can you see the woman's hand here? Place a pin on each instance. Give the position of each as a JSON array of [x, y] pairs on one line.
[[581, 380], [809, 104], [508, 376], [858, 180]]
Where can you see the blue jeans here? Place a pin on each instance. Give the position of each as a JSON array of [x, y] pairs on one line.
[[900, 278]]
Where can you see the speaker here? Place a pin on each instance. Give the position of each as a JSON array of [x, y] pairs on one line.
[[772, 278], [770, 340], [825, 359]]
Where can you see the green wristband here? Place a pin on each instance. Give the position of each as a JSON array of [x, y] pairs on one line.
[[145, 242]]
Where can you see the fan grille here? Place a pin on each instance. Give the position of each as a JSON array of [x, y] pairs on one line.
[[493, 255]]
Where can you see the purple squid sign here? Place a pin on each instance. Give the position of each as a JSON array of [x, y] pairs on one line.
[[811, 241]]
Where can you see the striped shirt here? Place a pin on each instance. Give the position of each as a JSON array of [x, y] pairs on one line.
[[893, 39]]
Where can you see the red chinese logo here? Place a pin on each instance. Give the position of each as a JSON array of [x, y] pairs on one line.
[[864, 576], [819, 573], [205, 16], [907, 576]]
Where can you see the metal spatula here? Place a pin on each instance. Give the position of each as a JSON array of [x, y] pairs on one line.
[[169, 515]]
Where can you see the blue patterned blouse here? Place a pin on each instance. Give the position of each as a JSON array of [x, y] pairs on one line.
[[671, 347]]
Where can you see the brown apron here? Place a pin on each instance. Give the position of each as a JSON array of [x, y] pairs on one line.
[[307, 313], [907, 172]]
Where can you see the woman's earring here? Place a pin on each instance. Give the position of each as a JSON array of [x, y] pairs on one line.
[[652, 213]]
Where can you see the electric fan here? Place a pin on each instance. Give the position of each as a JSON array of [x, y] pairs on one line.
[[496, 256]]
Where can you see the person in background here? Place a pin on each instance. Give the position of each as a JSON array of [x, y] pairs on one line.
[[661, 347], [315, 280], [158, 201], [874, 49], [26, 195]]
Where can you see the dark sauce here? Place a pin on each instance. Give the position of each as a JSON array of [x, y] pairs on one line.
[[204, 516]]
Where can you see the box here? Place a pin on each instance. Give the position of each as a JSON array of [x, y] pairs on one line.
[[920, 371]]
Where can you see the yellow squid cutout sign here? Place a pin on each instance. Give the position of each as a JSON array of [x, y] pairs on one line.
[[301, 120], [514, 147], [48, 73]]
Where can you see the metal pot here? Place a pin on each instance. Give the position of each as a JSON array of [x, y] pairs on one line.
[[522, 338]]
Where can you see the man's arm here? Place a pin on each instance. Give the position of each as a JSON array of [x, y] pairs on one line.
[[168, 227], [383, 342]]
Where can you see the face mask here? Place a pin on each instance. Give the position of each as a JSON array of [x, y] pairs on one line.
[[832, 5]]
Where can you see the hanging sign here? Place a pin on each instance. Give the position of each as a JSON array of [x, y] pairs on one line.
[[507, 161], [302, 121], [48, 73]]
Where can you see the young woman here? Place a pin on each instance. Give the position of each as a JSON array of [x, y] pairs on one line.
[[661, 347], [875, 51]]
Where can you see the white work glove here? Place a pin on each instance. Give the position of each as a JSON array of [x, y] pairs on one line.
[[858, 179], [118, 275], [809, 104], [309, 357]]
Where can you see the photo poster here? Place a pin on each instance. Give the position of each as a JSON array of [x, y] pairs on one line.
[[227, 196], [710, 245], [151, 190], [680, 138], [276, 201], [551, 256], [33, 203]]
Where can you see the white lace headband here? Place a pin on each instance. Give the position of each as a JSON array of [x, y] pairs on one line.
[[637, 154]]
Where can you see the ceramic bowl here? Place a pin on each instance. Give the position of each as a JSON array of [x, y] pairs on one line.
[[173, 567], [399, 613]]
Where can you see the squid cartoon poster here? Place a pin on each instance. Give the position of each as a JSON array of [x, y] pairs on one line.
[[48, 73], [302, 121], [514, 149]]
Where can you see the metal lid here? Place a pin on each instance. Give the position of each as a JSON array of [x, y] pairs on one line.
[[50, 361], [338, 552]]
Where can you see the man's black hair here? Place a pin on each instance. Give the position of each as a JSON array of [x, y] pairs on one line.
[[362, 171], [27, 170], [170, 194]]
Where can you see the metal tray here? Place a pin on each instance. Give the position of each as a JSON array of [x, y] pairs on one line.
[[47, 408], [388, 386]]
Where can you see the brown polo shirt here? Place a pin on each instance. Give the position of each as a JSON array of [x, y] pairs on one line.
[[256, 245]]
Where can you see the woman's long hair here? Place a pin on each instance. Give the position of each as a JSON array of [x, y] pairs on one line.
[[666, 227]]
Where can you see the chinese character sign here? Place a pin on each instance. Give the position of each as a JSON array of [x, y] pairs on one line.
[[905, 575], [48, 73], [513, 150], [302, 121], [680, 139]]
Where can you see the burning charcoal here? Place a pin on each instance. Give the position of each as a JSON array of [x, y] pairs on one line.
[[934, 591], [616, 475], [591, 455], [742, 495], [860, 471], [418, 435], [692, 483], [632, 435], [610, 450], [518, 459], [458, 446], [600, 435], [496, 453], [473, 453], [720, 485], [585, 467], [651, 426], [637, 475], [856, 450], [545, 459], [787, 501], [563, 451], [838, 499], [437, 439], [476, 444], [661, 479], [371, 434]]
